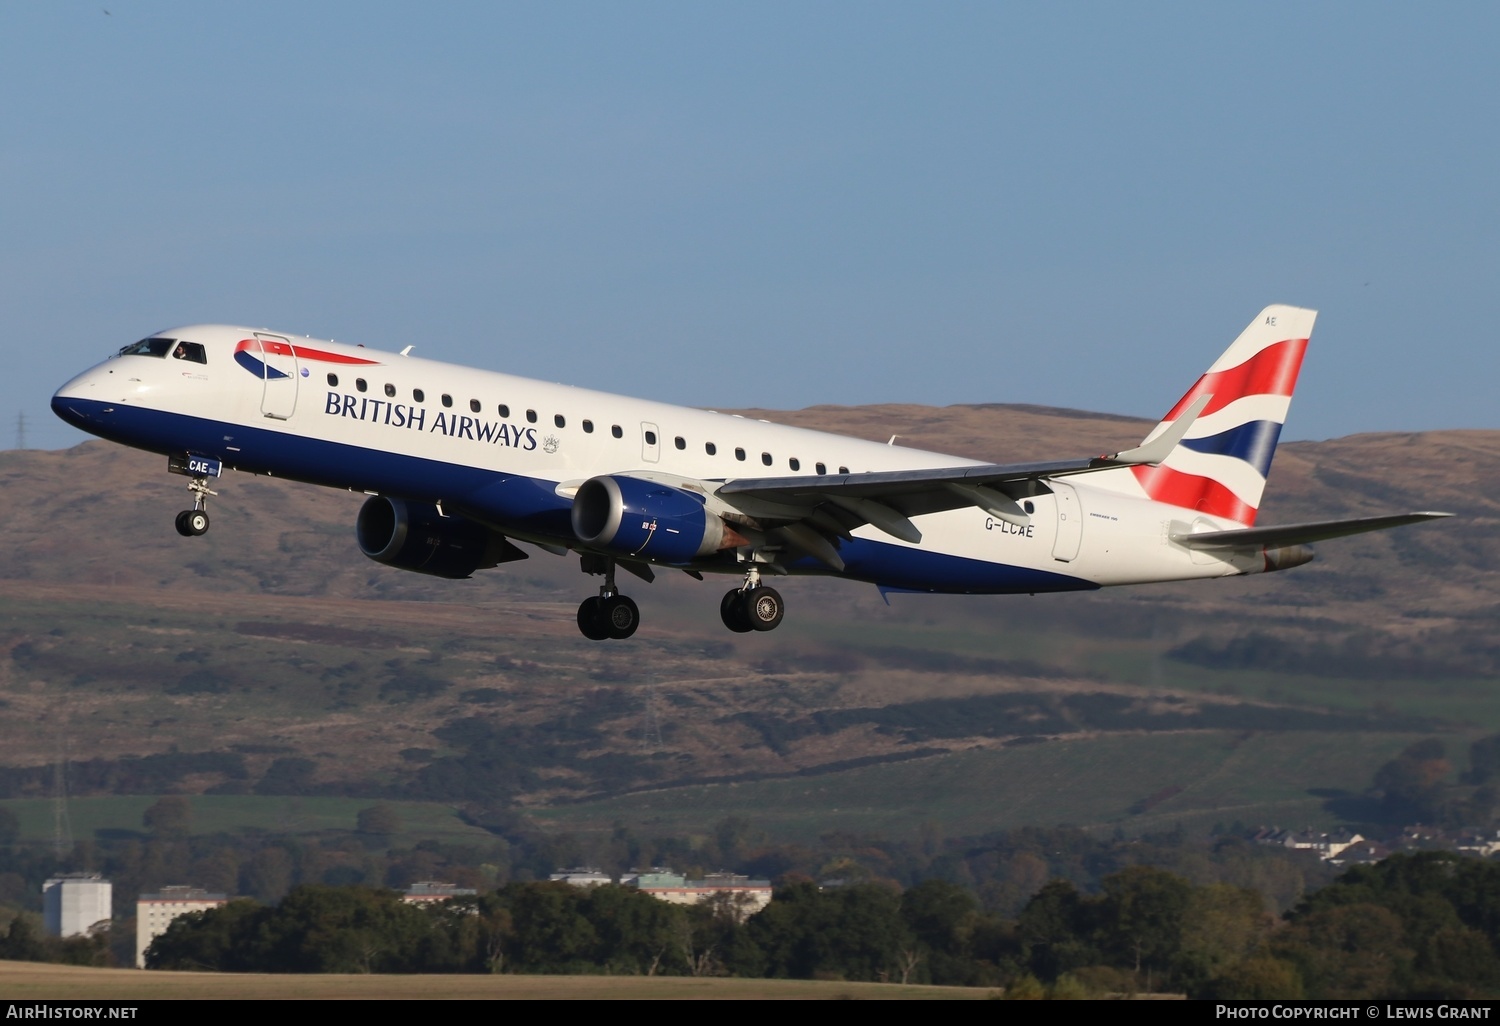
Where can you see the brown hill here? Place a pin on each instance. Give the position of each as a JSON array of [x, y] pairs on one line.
[[96, 513], [273, 640]]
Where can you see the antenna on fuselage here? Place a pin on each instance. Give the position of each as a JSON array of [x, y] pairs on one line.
[[408, 349]]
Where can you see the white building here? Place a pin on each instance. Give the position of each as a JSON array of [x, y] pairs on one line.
[[582, 876], [745, 896], [1327, 846], [155, 912], [73, 903]]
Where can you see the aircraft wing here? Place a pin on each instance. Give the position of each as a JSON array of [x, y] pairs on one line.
[[1299, 534], [889, 499]]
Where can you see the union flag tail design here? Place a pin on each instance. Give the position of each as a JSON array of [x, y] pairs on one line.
[[1220, 466]]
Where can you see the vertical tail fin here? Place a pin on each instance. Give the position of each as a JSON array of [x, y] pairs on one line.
[[1220, 467]]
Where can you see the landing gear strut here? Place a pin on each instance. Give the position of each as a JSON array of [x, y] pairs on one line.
[[193, 522], [752, 606], [198, 469], [610, 614]]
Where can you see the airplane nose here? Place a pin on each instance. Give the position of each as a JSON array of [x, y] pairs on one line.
[[74, 400], [71, 413]]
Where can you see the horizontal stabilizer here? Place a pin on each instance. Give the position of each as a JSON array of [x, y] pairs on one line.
[[1299, 534]]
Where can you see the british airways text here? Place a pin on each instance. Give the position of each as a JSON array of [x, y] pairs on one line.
[[379, 411]]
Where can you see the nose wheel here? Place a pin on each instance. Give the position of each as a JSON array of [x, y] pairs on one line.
[[194, 522]]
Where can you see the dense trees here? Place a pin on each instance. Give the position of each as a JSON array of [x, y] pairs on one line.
[[1410, 925], [852, 933], [171, 816], [24, 941], [379, 821], [536, 928], [1419, 786], [1153, 931], [1146, 930]]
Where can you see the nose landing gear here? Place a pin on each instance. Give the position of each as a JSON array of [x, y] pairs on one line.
[[752, 606], [194, 522], [198, 469]]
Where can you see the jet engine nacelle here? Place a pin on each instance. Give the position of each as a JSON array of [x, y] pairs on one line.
[[415, 536], [630, 516], [1284, 557]]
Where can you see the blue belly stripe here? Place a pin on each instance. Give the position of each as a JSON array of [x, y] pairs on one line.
[[511, 502]]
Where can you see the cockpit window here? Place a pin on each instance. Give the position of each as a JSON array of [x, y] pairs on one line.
[[190, 351], [150, 347]]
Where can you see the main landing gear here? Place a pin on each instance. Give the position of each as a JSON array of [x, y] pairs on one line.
[[193, 522], [752, 606], [610, 614]]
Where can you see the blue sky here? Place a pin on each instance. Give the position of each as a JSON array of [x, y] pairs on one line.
[[768, 204]]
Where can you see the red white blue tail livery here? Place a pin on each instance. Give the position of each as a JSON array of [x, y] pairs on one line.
[[1220, 466]]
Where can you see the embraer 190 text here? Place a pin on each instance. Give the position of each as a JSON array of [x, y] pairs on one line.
[[460, 464]]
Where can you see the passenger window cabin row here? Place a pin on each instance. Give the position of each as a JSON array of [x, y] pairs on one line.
[[475, 406], [193, 352]]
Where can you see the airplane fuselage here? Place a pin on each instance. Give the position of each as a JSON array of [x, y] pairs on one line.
[[510, 453]]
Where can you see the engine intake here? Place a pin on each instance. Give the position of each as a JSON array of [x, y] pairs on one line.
[[415, 536], [645, 519]]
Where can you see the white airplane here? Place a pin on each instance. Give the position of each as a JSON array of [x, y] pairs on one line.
[[460, 463]]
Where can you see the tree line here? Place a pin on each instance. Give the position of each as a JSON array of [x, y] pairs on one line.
[[1032, 910], [1425, 925]]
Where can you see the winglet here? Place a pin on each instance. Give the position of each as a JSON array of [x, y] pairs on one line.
[[1159, 448]]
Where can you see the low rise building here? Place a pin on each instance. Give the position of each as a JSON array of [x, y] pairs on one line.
[[1326, 845], [155, 912], [74, 903], [1483, 843], [424, 891], [744, 895], [582, 876], [1361, 853]]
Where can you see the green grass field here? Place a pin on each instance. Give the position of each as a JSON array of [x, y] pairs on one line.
[[213, 814], [1136, 782], [1094, 782]]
